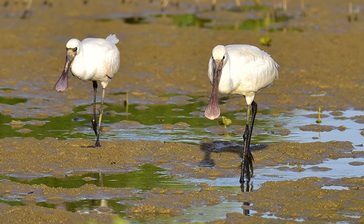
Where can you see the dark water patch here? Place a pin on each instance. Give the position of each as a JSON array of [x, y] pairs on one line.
[[104, 20], [119, 93], [12, 100], [134, 20], [145, 178]]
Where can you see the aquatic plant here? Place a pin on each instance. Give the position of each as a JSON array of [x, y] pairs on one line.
[[265, 41]]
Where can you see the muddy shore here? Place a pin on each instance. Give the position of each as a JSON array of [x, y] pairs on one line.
[[163, 63]]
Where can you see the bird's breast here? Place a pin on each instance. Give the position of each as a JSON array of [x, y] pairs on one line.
[[81, 70], [227, 83]]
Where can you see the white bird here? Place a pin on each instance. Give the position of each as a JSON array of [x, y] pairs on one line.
[[243, 70], [93, 59]]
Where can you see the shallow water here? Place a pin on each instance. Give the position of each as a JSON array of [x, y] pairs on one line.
[[145, 178], [149, 176], [347, 119], [334, 169], [186, 123], [168, 122]]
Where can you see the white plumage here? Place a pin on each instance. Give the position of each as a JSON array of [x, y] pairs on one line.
[[92, 59], [240, 69], [97, 59], [247, 70]]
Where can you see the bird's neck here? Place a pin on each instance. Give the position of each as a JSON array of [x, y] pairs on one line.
[[226, 82]]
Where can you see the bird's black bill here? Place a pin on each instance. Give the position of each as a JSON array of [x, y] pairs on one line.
[[212, 110], [62, 82]]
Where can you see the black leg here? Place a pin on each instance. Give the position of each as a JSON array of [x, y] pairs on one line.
[[93, 121], [247, 157]]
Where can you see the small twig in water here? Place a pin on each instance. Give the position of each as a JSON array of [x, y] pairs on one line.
[[318, 121]]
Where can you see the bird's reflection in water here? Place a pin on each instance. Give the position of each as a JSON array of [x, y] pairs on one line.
[[223, 147], [246, 208], [207, 161], [104, 207], [229, 147], [246, 186]]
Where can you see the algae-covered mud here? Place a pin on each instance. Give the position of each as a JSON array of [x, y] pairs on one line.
[[161, 161]]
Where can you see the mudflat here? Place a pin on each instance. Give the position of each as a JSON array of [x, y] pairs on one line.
[[309, 172]]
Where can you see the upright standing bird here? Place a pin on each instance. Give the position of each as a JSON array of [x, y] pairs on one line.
[[93, 59], [244, 70]]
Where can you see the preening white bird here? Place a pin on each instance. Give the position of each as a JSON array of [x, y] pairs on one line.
[[243, 70], [92, 59]]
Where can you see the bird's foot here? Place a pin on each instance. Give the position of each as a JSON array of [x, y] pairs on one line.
[[97, 143]]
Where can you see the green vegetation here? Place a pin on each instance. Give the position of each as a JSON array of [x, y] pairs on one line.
[[265, 23], [188, 20], [12, 100], [145, 178], [265, 41], [225, 121], [46, 205], [271, 18], [11, 202]]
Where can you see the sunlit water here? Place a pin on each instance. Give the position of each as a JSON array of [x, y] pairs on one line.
[[184, 123], [335, 169]]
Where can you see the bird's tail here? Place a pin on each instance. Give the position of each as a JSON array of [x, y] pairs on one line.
[[112, 39]]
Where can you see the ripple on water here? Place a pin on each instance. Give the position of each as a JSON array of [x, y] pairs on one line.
[[335, 169]]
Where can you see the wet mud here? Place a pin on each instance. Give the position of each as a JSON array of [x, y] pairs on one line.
[[161, 161]]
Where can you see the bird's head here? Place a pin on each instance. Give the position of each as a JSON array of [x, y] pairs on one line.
[[72, 49], [219, 57], [219, 53]]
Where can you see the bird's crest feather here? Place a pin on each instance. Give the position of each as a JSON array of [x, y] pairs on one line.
[[112, 39]]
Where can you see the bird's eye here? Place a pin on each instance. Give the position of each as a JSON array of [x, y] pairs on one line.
[[223, 58], [74, 49]]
